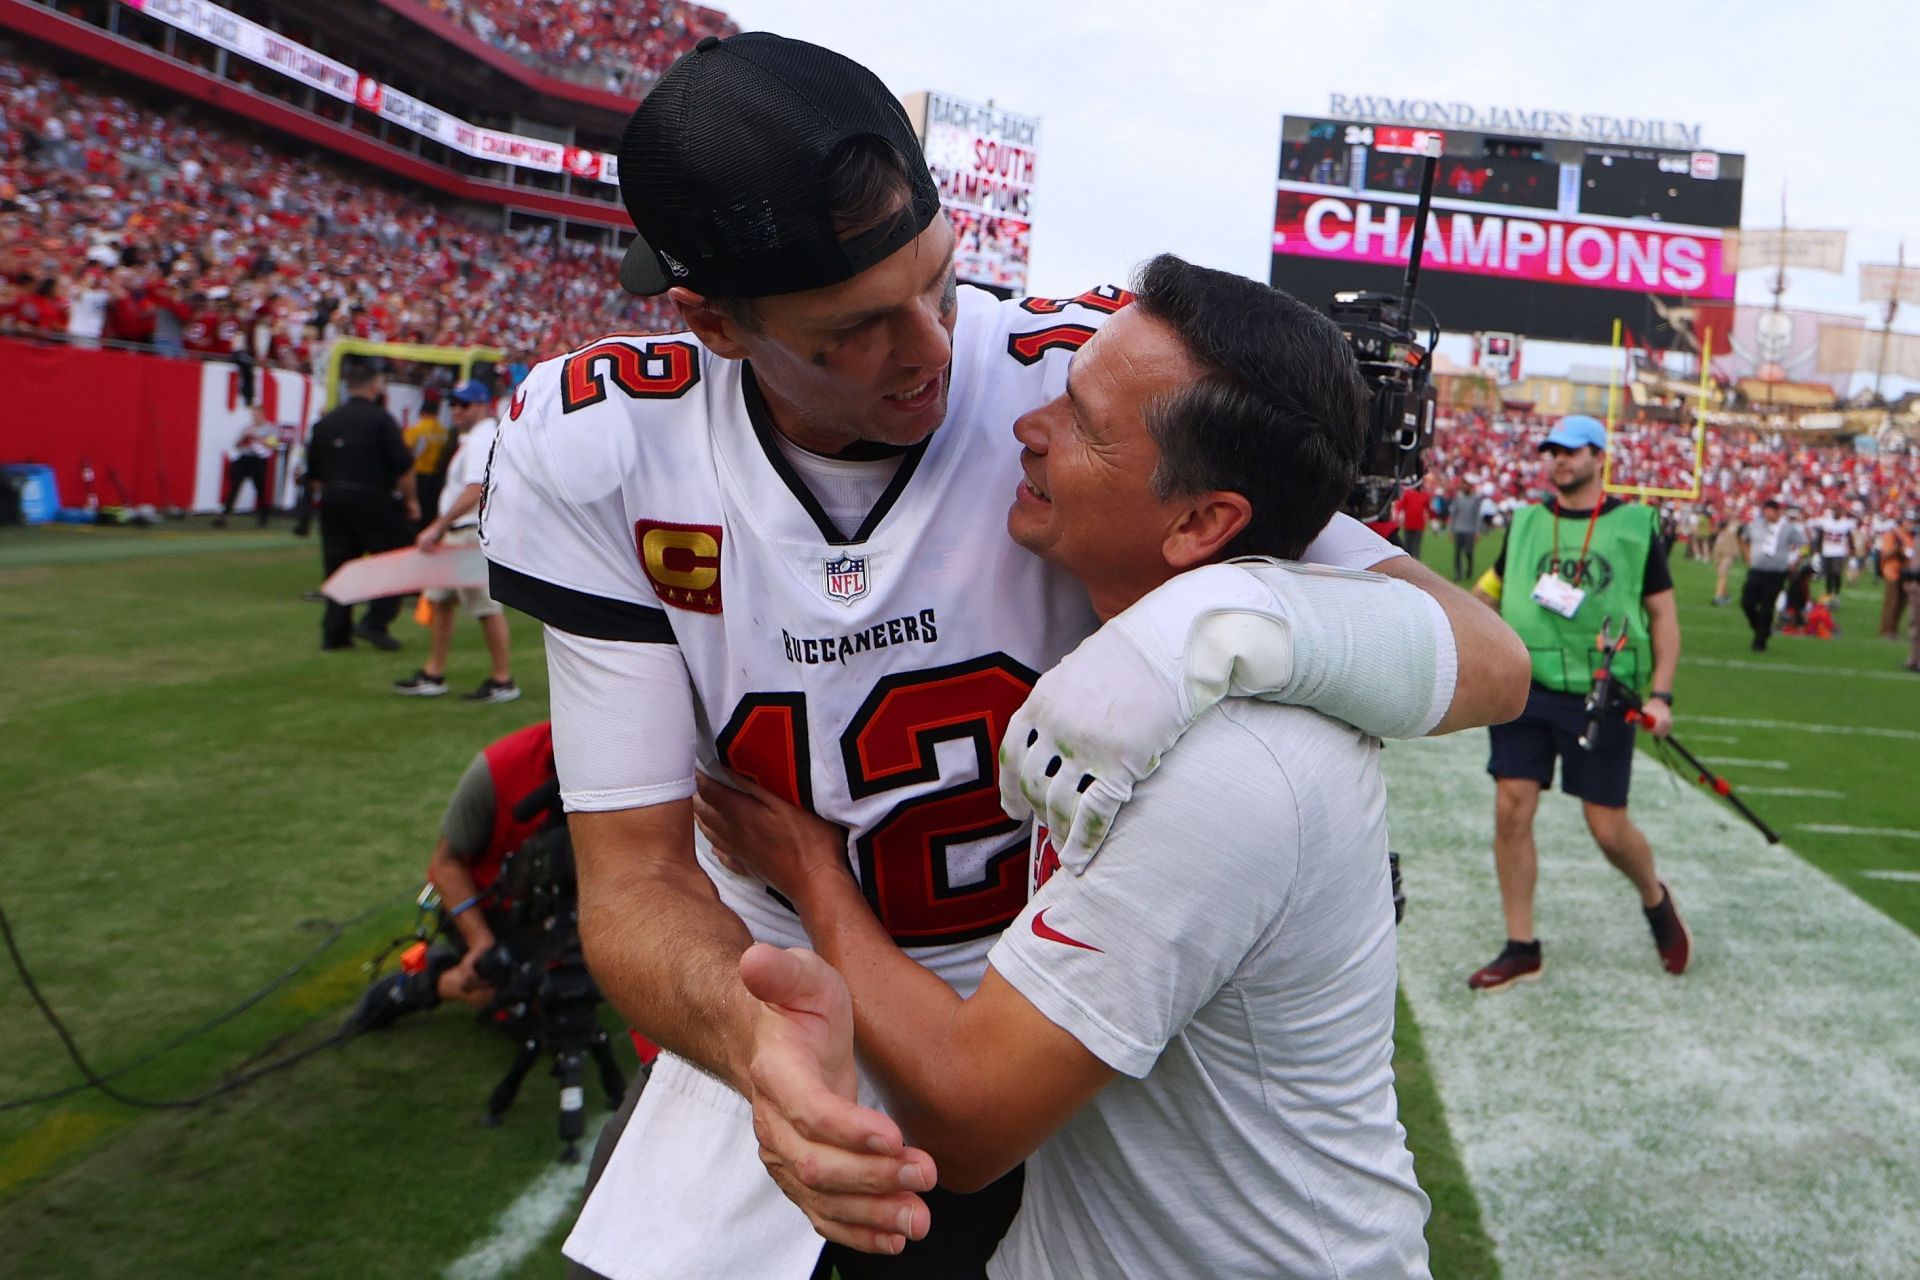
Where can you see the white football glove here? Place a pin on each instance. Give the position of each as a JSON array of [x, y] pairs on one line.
[[1363, 648]]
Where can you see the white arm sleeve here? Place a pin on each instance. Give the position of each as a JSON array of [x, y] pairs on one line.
[[623, 729]]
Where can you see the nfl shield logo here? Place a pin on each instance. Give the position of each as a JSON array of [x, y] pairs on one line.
[[847, 578]]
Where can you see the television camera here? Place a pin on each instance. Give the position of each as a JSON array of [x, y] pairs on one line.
[[544, 997], [1393, 339]]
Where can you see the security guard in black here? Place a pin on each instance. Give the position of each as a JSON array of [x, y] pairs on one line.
[[360, 468]]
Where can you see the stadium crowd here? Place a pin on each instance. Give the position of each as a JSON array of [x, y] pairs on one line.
[[1741, 470], [157, 227], [623, 47]]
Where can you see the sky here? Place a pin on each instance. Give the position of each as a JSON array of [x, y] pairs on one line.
[[1161, 122]]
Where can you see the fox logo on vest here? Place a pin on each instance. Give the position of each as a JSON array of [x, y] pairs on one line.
[[847, 578], [1594, 574]]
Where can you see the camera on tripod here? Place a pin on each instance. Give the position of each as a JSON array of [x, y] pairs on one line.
[[543, 995]]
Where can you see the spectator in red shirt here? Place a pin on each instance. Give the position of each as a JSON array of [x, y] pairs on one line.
[[1411, 509]]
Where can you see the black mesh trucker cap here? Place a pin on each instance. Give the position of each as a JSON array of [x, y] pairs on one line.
[[724, 170]]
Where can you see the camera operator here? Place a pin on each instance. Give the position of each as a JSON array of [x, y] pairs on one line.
[[1569, 565], [477, 833]]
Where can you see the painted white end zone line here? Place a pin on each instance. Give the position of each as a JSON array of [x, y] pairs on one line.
[[1739, 762], [1904, 735], [1904, 877], [1805, 793], [1758, 1116], [1833, 829], [522, 1225], [1801, 669]]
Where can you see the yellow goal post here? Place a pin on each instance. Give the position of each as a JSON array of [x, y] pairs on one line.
[[463, 359]]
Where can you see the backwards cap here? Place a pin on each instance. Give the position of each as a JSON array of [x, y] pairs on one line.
[[725, 170]]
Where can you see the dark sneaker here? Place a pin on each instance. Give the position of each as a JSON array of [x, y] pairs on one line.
[[1518, 962], [421, 685], [378, 637], [491, 690], [1670, 936], [335, 646]]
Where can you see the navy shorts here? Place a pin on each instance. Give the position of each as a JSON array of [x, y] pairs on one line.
[[1551, 726]]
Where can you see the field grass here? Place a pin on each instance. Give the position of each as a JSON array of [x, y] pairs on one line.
[[192, 793]]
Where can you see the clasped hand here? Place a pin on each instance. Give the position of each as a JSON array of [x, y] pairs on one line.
[[846, 1166]]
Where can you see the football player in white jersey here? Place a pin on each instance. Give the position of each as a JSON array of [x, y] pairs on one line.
[[775, 544], [1190, 1035]]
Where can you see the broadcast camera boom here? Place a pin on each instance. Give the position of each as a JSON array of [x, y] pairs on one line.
[[1398, 368]]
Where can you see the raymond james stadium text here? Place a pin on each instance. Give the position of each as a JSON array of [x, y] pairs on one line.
[[1592, 126]]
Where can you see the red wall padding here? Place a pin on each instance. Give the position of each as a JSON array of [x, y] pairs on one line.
[[135, 415]]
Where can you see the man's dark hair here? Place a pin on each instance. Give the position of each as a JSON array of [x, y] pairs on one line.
[[361, 373], [868, 185], [1280, 416]]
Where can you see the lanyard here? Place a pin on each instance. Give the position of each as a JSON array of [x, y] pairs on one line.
[[1585, 543]]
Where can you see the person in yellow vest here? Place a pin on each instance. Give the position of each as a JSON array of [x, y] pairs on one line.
[[1569, 564], [427, 438]]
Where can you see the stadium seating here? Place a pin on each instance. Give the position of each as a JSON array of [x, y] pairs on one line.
[[623, 47], [176, 230], [1739, 472]]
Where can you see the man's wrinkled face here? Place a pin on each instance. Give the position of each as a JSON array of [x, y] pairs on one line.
[[866, 359], [1571, 468], [1086, 501]]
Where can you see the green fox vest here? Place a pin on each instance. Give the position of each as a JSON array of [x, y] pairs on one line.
[[1613, 575]]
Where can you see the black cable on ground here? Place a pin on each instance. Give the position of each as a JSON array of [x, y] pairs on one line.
[[97, 1080]]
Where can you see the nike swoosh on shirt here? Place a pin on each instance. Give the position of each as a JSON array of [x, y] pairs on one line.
[[1051, 934]]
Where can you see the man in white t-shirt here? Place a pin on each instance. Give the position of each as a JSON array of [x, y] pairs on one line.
[[457, 525], [1188, 1034]]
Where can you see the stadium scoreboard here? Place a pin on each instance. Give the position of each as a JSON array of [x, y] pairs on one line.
[[1550, 237]]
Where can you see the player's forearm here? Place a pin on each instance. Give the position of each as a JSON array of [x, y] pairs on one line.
[[1490, 686], [906, 1020], [663, 947], [1665, 629]]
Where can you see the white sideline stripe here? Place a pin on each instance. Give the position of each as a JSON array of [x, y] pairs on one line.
[[1808, 793], [1904, 877], [1759, 1116], [1739, 762], [1834, 829], [1713, 737], [1905, 735], [522, 1225], [1802, 669]]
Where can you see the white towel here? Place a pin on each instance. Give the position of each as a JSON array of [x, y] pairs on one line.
[[685, 1196]]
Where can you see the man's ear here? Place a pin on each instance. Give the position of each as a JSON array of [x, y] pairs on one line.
[[1204, 527], [718, 332]]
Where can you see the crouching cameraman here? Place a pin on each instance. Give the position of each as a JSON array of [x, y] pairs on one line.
[[477, 833]]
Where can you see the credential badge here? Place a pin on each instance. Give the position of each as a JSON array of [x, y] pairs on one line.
[[847, 578]]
